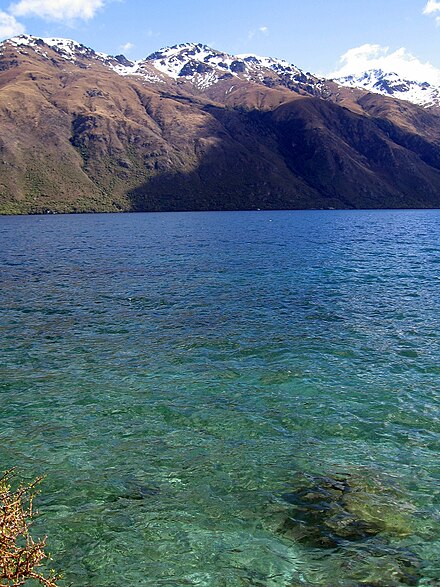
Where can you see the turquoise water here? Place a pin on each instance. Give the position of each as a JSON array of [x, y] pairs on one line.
[[181, 378]]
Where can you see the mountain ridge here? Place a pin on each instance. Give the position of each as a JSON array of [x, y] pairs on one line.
[[206, 66], [84, 131]]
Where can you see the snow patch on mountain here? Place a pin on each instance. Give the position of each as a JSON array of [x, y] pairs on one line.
[[393, 85], [205, 66], [66, 48], [136, 68], [177, 61], [278, 65]]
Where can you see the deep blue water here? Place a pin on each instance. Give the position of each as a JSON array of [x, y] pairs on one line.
[[175, 376]]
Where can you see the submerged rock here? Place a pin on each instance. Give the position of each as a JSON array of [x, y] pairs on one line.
[[329, 511], [133, 490], [354, 519], [139, 492]]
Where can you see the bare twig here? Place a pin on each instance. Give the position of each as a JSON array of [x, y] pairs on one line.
[[20, 554]]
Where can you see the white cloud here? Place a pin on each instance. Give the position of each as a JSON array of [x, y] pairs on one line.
[[359, 59], [264, 30], [9, 27], [432, 6], [60, 10], [127, 47]]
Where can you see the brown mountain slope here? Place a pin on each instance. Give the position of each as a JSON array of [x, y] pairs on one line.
[[76, 136]]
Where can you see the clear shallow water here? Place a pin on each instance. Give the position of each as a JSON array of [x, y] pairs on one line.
[[174, 375]]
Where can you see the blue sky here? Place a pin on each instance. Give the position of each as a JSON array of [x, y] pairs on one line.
[[313, 35]]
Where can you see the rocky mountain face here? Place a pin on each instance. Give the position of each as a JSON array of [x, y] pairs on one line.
[[191, 128]]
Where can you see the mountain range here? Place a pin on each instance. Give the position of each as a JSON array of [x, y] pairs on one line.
[[193, 128]]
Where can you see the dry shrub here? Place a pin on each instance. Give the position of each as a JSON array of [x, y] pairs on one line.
[[20, 555]]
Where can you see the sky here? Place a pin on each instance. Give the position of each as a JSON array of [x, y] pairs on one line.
[[325, 37]]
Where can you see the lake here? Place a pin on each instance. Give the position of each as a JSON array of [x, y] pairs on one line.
[[227, 399]]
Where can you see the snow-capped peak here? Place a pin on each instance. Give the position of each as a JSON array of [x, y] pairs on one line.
[[67, 48], [278, 65], [204, 66], [184, 49], [391, 84]]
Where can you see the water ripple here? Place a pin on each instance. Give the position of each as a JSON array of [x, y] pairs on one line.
[[174, 375]]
